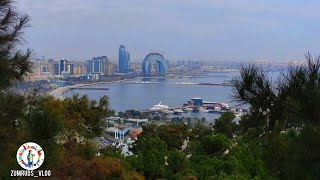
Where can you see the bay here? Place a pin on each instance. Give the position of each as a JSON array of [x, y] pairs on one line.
[[129, 95]]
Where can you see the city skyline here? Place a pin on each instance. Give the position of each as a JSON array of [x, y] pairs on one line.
[[215, 30]]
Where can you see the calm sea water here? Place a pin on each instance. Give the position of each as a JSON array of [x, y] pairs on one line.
[[126, 96]]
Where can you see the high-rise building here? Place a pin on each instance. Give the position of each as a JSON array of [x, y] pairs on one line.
[[69, 69], [109, 69], [56, 69], [63, 67], [136, 66], [79, 69], [97, 65], [51, 66], [128, 61], [89, 66], [123, 62]]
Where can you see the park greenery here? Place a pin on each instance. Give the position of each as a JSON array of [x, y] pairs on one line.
[[278, 139]]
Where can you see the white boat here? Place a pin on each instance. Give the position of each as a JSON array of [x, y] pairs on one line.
[[225, 105], [217, 108], [188, 109], [168, 111], [159, 107], [177, 111], [203, 110]]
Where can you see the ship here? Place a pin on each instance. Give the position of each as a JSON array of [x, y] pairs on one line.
[[177, 112], [195, 110], [168, 111], [216, 110], [201, 109], [187, 109], [159, 107]]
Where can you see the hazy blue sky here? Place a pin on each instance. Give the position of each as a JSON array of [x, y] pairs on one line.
[[181, 29]]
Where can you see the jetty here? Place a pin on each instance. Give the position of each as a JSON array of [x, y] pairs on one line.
[[179, 83], [88, 88]]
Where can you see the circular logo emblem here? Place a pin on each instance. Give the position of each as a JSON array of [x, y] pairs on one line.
[[30, 156]]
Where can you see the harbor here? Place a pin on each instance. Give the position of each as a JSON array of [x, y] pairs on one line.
[[127, 95], [197, 105]]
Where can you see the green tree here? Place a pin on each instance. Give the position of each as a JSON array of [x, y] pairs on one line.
[[204, 166], [80, 115], [176, 161], [284, 117], [225, 125], [43, 125], [173, 134], [215, 144], [199, 131], [275, 106], [151, 152], [247, 159], [14, 64], [14, 67]]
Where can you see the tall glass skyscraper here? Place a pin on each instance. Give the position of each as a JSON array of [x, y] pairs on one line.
[[128, 61], [123, 60]]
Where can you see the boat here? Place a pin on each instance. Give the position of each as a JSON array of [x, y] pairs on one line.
[[168, 111], [195, 110], [216, 110], [188, 109], [177, 112], [159, 107], [201, 109], [225, 105]]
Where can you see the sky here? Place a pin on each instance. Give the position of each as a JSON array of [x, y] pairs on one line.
[[211, 30]]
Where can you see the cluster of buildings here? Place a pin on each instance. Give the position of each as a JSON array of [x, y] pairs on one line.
[[98, 66], [64, 68], [189, 63], [93, 68], [152, 64]]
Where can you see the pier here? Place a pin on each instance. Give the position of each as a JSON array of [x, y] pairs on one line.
[[180, 83], [88, 88]]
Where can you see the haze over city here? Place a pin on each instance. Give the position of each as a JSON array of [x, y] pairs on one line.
[[206, 30], [160, 89]]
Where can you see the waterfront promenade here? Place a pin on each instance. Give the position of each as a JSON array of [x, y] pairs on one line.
[[58, 92]]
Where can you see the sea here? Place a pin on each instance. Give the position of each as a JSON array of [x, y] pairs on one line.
[[135, 95]]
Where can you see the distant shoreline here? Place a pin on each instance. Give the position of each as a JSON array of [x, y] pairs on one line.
[[58, 92]]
